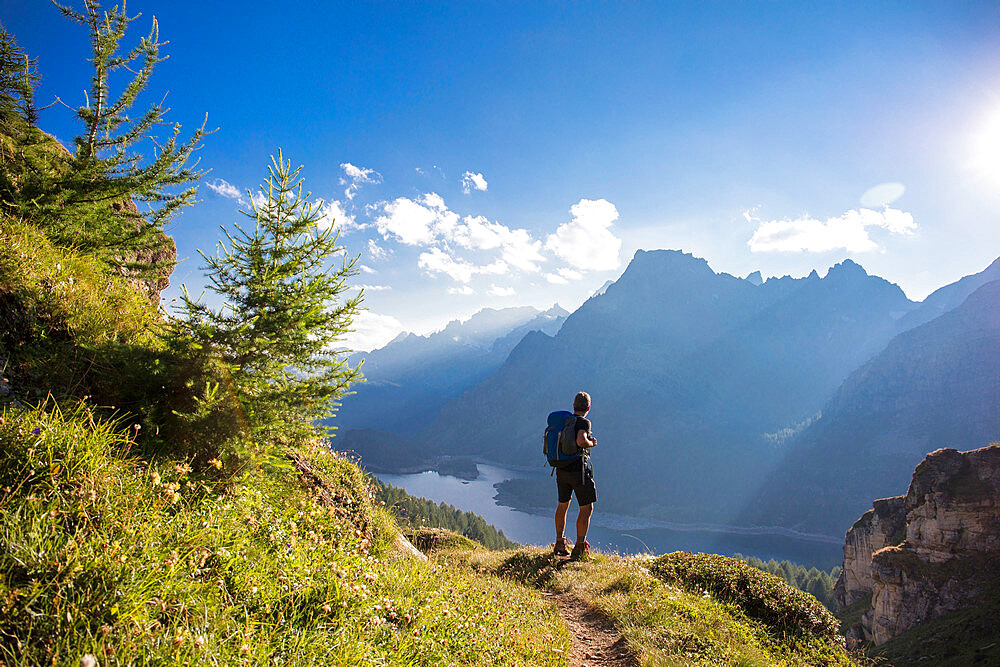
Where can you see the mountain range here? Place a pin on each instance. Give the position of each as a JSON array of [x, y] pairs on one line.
[[708, 389]]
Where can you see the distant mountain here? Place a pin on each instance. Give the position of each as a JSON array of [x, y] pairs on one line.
[[950, 296], [408, 380], [937, 385], [693, 373]]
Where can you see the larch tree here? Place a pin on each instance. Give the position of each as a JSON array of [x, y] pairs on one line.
[[282, 282], [123, 183]]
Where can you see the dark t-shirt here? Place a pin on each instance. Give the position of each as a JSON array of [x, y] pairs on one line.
[[582, 424]]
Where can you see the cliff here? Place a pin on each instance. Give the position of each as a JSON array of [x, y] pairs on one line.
[[919, 557]]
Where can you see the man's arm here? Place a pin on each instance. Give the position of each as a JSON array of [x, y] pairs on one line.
[[585, 440]]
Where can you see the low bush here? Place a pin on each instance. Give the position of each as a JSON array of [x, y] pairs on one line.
[[764, 597]]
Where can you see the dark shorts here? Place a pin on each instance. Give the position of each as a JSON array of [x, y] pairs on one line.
[[581, 484]]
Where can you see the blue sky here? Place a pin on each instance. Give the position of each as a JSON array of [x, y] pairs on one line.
[[499, 154]]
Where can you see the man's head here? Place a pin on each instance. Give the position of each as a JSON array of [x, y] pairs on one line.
[[582, 402]]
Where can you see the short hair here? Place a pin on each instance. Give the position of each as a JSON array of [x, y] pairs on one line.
[[581, 403]]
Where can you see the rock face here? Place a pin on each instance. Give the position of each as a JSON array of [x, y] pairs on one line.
[[880, 527], [947, 556]]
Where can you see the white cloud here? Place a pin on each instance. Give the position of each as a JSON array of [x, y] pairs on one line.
[[427, 221], [416, 222], [224, 188], [372, 288], [517, 247], [355, 177], [333, 212], [376, 251], [436, 260], [464, 290], [555, 279], [371, 331], [364, 268], [586, 242], [569, 274], [848, 231], [501, 291], [472, 182]]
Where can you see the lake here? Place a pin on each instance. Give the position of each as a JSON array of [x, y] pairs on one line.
[[609, 532]]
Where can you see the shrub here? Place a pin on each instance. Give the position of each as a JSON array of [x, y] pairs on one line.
[[761, 596]]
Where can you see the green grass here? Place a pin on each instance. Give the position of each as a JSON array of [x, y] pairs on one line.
[[676, 610], [147, 562], [68, 326]]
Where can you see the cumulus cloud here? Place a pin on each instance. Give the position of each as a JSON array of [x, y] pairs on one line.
[[848, 231], [364, 268], [427, 221], [372, 288], [354, 177], [416, 222], [371, 331], [555, 279], [517, 247], [464, 290], [586, 242], [436, 260], [224, 188], [472, 182], [376, 251], [333, 213], [501, 291]]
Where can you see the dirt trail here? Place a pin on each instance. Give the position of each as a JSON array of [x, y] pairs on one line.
[[596, 641]]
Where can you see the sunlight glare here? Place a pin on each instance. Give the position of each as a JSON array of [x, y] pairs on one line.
[[986, 149]]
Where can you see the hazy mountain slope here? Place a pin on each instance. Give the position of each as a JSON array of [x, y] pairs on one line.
[[408, 380], [948, 297], [688, 370], [937, 385]]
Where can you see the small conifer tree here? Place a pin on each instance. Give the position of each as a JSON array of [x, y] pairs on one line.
[[282, 280], [119, 164], [18, 78]]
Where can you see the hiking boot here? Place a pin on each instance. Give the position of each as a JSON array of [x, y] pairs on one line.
[[562, 547], [580, 551]]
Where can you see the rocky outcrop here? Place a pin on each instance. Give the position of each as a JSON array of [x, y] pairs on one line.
[[882, 526], [948, 558]]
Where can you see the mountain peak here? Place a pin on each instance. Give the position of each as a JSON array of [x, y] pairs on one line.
[[846, 268], [755, 279]]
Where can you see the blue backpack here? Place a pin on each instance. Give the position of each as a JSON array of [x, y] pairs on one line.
[[558, 421]]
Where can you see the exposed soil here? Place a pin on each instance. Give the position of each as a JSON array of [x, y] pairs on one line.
[[596, 641]]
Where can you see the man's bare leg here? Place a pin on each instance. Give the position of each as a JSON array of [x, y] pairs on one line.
[[583, 522], [561, 511]]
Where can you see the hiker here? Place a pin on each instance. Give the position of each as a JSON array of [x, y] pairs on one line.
[[577, 477]]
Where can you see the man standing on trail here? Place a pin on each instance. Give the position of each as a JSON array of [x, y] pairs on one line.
[[577, 477]]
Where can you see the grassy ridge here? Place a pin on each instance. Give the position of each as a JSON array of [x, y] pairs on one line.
[[683, 609]]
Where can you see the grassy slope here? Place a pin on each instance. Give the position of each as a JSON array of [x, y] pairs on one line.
[[680, 609], [107, 554]]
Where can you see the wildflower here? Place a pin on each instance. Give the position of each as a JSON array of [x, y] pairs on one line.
[[215, 463], [156, 478], [199, 642], [182, 468], [88, 660], [245, 649], [36, 431], [327, 608]]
